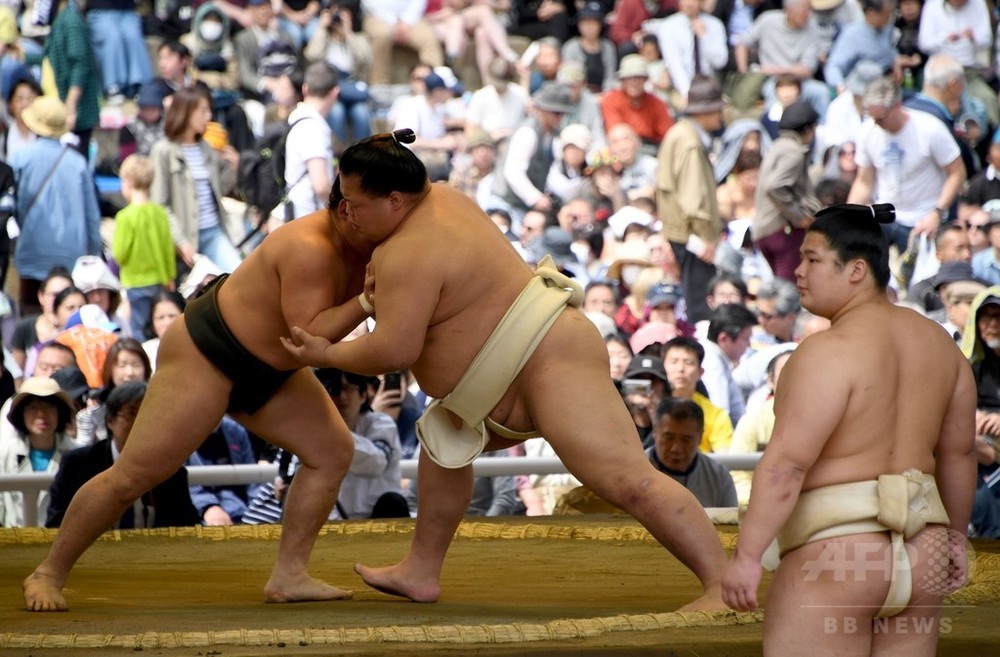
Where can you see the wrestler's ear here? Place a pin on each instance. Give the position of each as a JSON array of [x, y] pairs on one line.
[[396, 200], [857, 270]]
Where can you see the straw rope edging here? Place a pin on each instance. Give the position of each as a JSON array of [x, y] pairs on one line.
[[556, 630], [467, 530]]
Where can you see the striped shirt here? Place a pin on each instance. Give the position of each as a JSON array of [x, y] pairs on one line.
[[208, 214]]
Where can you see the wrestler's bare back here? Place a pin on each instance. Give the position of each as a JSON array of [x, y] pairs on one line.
[[308, 266], [900, 373]]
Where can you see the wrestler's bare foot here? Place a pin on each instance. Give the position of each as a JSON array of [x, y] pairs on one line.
[[42, 593], [395, 581], [302, 589], [710, 600]]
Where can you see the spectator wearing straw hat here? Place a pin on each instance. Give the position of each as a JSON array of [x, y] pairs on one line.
[[34, 440], [57, 205], [472, 171], [632, 104], [168, 504]]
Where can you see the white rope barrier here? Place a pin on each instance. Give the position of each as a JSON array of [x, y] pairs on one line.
[[32, 483]]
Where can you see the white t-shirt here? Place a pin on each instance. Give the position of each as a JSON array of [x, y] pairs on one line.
[[842, 124], [309, 139], [493, 112], [909, 165]]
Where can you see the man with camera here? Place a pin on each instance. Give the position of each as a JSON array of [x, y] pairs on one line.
[[336, 43], [643, 388]]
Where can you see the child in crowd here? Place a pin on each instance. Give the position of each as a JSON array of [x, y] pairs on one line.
[[142, 245]]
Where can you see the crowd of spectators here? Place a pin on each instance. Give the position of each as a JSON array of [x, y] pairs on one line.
[[668, 155]]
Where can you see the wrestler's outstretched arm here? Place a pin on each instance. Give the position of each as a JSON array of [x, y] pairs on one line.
[[334, 323], [803, 423], [410, 280]]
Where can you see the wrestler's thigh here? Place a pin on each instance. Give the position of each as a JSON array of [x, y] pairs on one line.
[[824, 595], [915, 631], [302, 419], [574, 404], [184, 402]]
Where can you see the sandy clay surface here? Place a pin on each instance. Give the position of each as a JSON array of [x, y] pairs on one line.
[[585, 585]]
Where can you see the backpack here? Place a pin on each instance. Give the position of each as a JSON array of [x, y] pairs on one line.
[[260, 179]]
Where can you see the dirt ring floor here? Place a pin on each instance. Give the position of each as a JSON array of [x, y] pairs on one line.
[[593, 585]]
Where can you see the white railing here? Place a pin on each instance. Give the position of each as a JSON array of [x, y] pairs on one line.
[[31, 483]]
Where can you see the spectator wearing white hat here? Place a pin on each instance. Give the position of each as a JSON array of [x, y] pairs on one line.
[[103, 289], [566, 179]]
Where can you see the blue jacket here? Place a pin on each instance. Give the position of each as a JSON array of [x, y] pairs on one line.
[[64, 222], [232, 499]]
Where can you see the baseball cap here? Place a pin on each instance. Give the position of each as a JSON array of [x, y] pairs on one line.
[[646, 366], [663, 292], [433, 81], [590, 10]]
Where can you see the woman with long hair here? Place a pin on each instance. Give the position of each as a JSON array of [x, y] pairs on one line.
[[126, 361], [189, 180]]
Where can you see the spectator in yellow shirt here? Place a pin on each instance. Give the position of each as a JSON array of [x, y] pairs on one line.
[[682, 359]]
